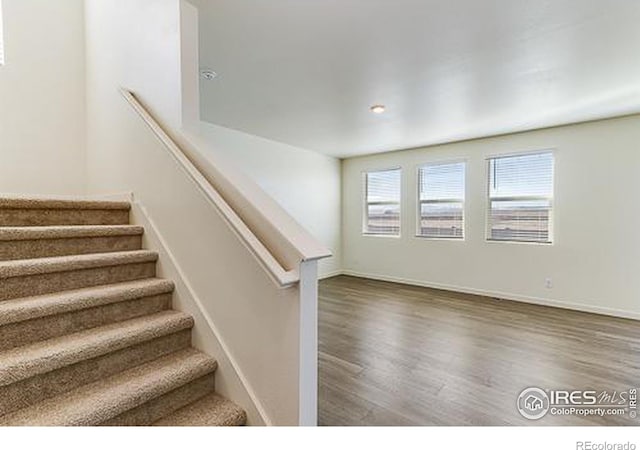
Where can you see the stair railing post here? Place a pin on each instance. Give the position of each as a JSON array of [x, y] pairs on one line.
[[308, 408]]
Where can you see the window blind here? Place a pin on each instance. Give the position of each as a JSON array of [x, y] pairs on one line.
[[521, 197], [441, 200], [382, 202]]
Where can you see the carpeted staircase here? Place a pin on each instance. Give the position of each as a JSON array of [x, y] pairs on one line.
[[87, 333]]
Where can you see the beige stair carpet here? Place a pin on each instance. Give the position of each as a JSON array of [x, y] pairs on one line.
[[87, 333]]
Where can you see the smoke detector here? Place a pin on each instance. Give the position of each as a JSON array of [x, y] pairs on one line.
[[208, 74]]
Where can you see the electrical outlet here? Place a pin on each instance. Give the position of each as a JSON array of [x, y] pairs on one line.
[[548, 283]]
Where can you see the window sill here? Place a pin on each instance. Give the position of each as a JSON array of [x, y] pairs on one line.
[[498, 241], [388, 236], [445, 239]]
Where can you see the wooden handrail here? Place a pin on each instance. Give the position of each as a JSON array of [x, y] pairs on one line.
[[282, 277]]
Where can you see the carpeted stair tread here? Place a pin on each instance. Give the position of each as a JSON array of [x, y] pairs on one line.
[[45, 356], [46, 203], [37, 266], [87, 333], [70, 231], [28, 308], [98, 402], [210, 411]]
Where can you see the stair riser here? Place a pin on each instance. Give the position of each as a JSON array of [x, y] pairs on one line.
[[49, 217], [43, 248], [30, 285], [30, 331], [154, 410], [36, 389]]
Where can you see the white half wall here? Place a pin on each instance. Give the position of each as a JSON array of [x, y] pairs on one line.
[[42, 98], [593, 262], [305, 183]]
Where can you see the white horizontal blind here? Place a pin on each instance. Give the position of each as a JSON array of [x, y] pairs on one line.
[[1, 37], [441, 200], [382, 202], [521, 197]]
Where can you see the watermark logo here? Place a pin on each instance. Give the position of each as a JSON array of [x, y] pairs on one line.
[[533, 403], [588, 445]]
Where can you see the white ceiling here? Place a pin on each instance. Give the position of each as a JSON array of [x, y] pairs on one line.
[[305, 72]]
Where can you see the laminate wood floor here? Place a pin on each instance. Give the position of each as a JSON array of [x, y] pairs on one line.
[[392, 354]]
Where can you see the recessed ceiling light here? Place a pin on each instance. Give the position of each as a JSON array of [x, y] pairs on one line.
[[377, 109], [208, 74]]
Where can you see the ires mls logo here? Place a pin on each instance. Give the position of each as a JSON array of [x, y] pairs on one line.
[[535, 403]]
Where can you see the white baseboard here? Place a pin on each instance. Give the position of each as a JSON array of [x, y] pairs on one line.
[[501, 295], [333, 273]]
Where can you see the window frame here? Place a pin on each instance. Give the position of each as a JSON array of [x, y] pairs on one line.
[[550, 199], [420, 202], [366, 203]]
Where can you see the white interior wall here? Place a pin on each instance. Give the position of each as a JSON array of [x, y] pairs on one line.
[[42, 98], [593, 262], [137, 44], [306, 184]]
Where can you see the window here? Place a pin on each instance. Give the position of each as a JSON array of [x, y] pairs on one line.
[[1, 37], [441, 200], [521, 197], [382, 202]]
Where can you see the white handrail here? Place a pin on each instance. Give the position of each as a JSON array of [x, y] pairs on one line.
[[282, 277]]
